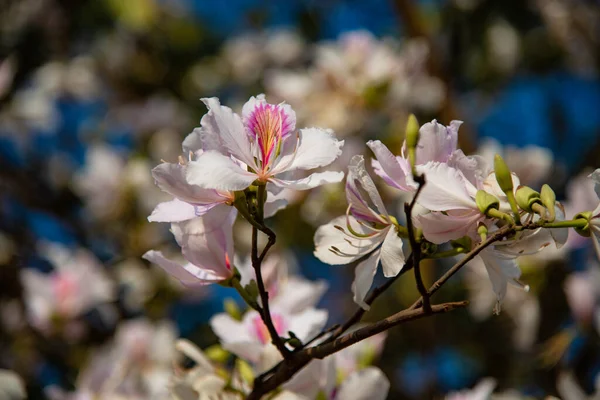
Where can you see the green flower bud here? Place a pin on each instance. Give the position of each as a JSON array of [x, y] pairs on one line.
[[245, 370], [548, 198], [412, 132], [482, 231], [217, 353], [232, 309], [503, 175], [526, 197], [585, 231], [485, 201], [464, 243]]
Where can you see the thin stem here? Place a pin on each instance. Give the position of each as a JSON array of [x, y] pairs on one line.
[[256, 264], [416, 246], [575, 223]]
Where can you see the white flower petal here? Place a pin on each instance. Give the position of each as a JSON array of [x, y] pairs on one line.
[[308, 323], [501, 271], [221, 125], [188, 275], [229, 330], [439, 228], [171, 178], [393, 170], [595, 176], [213, 170], [299, 294], [357, 172], [363, 278], [173, 211], [311, 181], [367, 384], [436, 142], [316, 148], [392, 256], [348, 247], [445, 188]]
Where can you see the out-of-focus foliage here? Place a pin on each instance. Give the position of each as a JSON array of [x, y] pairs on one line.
[[94, 94]]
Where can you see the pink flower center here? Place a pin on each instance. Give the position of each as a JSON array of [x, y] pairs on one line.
[[65, 290], [268, 125], [261, 331]]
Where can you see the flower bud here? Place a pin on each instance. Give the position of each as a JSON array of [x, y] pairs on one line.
[[485, 201], [527, 197], [585, 231], [232, 309], [217, 353], [412, 132], [245, 370], [463, 244], [548, 198], [503, 175]]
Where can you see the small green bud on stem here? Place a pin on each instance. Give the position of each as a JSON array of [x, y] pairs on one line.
[[548, 198], [526, 197]]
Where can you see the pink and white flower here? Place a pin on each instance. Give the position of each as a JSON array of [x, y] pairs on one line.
[[65, 292], [207, 246], [250, 340], [363, 230], [261, 145]]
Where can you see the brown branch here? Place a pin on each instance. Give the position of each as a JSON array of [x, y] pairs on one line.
[[415, 245], [287, 368], [257, 264]]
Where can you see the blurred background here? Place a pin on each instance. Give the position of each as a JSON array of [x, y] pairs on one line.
[[95, 93]]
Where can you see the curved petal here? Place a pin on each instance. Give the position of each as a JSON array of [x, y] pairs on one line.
[[474, 168], [595, 176], [501, 271], [335, 247], [308, 323], [311, 181], [439, 228], [358, 173], [392, 256], [363, 278], [173, 211], [299, 294], [229, 330], [316, 148], [436, 142], [221, 126], [188, 275], [367, 384], [395, 171], [213, 170], [171, 178], [445, 188]]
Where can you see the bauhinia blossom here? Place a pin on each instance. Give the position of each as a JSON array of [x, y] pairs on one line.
[[207, 246], [595, 217], [262, 145], [437, 143], [363, 230], [250, 340]]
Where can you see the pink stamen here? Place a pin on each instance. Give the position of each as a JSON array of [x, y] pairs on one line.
[[268, 125], [261, 331]]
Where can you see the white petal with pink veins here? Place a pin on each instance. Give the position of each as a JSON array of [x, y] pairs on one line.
[[395, 171], [436, 142], [439, 228]]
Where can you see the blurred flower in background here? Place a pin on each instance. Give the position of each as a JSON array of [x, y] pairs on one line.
[[95, 94]]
